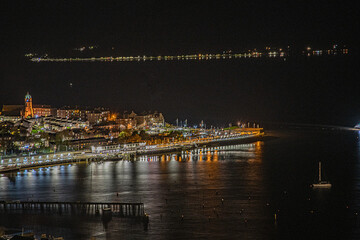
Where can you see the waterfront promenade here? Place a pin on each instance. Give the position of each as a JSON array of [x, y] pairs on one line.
[[113, 152]]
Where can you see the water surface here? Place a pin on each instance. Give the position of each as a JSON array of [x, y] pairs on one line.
[[231, 194]]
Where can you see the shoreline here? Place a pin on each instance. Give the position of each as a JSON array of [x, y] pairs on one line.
[[174, 150]]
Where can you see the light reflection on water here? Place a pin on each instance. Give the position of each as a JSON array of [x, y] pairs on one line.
[[228, 193], [169, 185]]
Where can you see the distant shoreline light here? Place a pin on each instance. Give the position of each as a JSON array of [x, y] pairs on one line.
[[229, 55], [157, 58]]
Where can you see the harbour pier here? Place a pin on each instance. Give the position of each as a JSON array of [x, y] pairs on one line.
[[125, 210]]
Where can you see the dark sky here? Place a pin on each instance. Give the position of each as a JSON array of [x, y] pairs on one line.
[[167, 26], [317, 91]]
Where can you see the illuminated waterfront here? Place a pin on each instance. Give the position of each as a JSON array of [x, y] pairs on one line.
[[255, 180], [124, 151]]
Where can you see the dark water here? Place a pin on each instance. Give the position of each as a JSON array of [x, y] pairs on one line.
[[255, 181], [320, 90]]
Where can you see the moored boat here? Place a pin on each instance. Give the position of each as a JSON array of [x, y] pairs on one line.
[[321, 183]]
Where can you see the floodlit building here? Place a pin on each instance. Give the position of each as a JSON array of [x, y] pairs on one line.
[[29, 111]]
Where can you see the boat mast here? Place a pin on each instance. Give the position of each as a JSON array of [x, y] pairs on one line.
[[319, 172]]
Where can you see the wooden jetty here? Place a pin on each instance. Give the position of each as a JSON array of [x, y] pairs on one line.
[[85, 208]]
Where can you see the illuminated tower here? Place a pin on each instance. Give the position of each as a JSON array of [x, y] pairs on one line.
[[29, 112]]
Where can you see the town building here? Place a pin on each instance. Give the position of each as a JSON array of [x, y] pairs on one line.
[[60, 124], [97, 116], [44, 111], [72, 113], [13, 119], [12, 113], [29, 111], [146, 119], [23, 127], [125, 123]]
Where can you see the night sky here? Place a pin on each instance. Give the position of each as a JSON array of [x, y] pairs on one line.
[[319, 91]]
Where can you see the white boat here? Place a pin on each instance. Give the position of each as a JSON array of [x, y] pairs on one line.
[[321, 183]]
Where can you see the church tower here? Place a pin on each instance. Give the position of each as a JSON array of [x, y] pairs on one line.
[[29, 112]]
